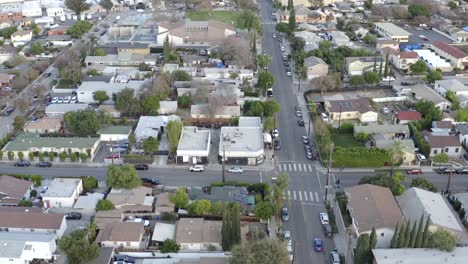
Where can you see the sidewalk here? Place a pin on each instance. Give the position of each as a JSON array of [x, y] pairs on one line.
[[342, 238]]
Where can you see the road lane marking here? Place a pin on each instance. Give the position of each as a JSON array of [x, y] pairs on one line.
[[289, 166], [299, 166], [305, 196], [300, 195], [280, 168], [310, 168], [294, 164], [311, 196], [289, 195], [309, 203], [316, 196], [294, 195]]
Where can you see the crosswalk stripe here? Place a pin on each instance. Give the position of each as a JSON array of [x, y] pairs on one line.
[[310, 168], [294, 195], [299, 166], [316, 197], [289, 165], [289, 195], [300, 195], [280, 168], [305, 196], [294, 165], [311, 196]]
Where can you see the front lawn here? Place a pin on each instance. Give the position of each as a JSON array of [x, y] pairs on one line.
[[345, 141], [222, 16]]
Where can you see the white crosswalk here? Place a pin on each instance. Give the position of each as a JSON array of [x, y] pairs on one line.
[[304, 196], [268, 23], [300, 167]]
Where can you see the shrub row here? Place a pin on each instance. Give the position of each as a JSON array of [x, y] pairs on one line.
[[419, 141], [360, 157]]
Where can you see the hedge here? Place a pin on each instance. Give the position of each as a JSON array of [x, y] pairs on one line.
[[360, 157], [419, 141], [230, 183], [37, 179]]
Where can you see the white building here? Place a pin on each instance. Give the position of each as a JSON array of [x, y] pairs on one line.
[[58, 110], [62, 192], [151, 126], [21, 37], [442, 86], [54, 9], [114, 133], [419, 255], [241, 145], [20, 248], [32, 9], [391, 31], [194, 145], [86, 90]]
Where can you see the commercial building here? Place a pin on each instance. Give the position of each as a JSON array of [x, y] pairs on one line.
[[241, 145], [127, 47], [457, 57], [196, 234], [316, 67], [194, 145], [13, 190], [342, 110], [62, 193], [391, 31], [44, 125], [18, 248], [307, 3], [360, 65], [86, 90]]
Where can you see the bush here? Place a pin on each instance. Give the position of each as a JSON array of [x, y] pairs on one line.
[[104, 205], [419, 140], [83, 157], [25, 203], [33, 193], [230, 183], [211, 247], [20, 155], [89, 183], [168, 216], [73, 157], [51, 156], [40, 156], [11, 155], [347, 128], [63, 156], [332, 219], [35, 178]]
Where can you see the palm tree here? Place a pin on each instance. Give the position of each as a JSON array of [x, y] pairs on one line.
[[396, 154], [91, 230]]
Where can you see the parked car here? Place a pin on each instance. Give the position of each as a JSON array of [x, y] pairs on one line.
[[324, 218], [299, 113], [47, 74], [54, 100], [327, 230], [277, 144], [334, 258], [22, 163], [197, 168], [141, 167], [44, 189], [150, 181], [385, 110], [125, 258], [305, 140], [44, 164], [284, 214], [286, 63], [235, 170], [421, 157], [275, 133], [445, 170], [462, 170], [73, 100], [288, 73], [8, 111], [282, 47], [300, 122], [465, 156], [309, 155], [297, 108], [324, 117], [73, 216], [274, 35], [287, 235], [318, 245], [113, 156], [414, 171]]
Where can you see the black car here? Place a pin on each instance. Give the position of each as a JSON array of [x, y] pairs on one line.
[[141, 167], [73, 216], [300, 122], [327, 230], [44, 164], [445, 170], [47, 75], [286, 63], [125, 258], [277, 145], [150, 181], [22, 163], [8, 111]]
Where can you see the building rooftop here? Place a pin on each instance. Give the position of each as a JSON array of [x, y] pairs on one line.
[[193, 138], [224, 194], [121, 231], [64, 108], [382, 129], [105, 255], [46, 123], [453, 51], [422, 92], [109, 87], [393, 29], [452, 85], [24, 142], [206, 110], [163, 231], [241, 139], [420, 256], [62, 187], [88, 201], [432, 59], [126, 45], [408, 144], [408, 115], [250, 121], [149, 126], [441, 141], [354, 105], [12, 189], [442, 124], [136, 196], [408, 55], [198, 230], [373, 206], [12, 244], [115, 130], [29, 218], [462, 129], [312, 61], [369, 59], [163, 203], [414, 202]]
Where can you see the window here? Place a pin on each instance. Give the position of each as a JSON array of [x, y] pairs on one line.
[[435, 151], [382, 234], [127, 244], [446, 150], [456, 150]]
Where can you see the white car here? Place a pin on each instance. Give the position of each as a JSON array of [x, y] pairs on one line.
[[324, 219], [324, 117], [197, 168], [73, 100], [298, 113], [288, 73], [421, 157], [275, 133], [66, 100], [385, 110], [282, 48], [274, 35], [60, 100], [235, 170], [54, 100], [287, 235], [139, 220]]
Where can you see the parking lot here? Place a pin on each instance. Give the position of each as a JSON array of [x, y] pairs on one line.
[[428, 33]]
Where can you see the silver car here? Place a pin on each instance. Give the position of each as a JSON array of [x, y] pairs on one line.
[[235, 170]]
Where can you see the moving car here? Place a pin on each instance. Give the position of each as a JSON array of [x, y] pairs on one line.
[[73, 216], [288, 73], [197, 168], [44, 189], [274, 35], [414, 171], [141, 167], [327, 230], [318, 245], [284, 214], [299, 113], [113, 156], [22, 163], [445, 170], [235, 170], [8, 111], [270, 92], [275, 133], [324, 219], [44, 164], [276, 144]]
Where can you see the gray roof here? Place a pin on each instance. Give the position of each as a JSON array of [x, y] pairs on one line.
[[127, 45], [241, 141], [415, 202], [193, 138], [163, 231], [224, 194], [426, 93], [462, 129], [62, 187], [408, 144], [149, 126], [111, 87], [115, 130], [381, 129], [64, 108], [250, 121], [13, 243], [25, 142], [420, 256], [452, 85], [393, 29], [312, 61]]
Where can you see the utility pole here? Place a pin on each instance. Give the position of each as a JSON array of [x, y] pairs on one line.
[[224, 164], [308, 131], [328, 172], [339, 120]]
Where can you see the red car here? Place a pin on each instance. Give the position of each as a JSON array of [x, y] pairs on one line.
[[113, 156], [415, 171]]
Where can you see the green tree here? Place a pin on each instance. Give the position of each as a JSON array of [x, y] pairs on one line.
[[184, 101], [166, 49], [91, 230], [18, 123], [419, 233], [394, 183], [37, 48], [462, 115], [107, 5], [248, 20], [78, 6], [279, 188], [263, 60], [292, 20], [316, 3], [426, 234], [423, 183], [104, 205], [180, 198], [235, 214], [433, 76], [100, 96], [268, 124], [452, 4], [180, 75], [174, 131], [394, 242], [290, 5], [126, 102], [419, 10], [452, 97], [264, 209], [99, 52], [72, 72], [226, 239], [282, 27], [419, 67], [254, 108], [441, 158], [150, 145], [82, 122], [169, 246], [270, 108], [7, 32], [77, 247], [79, 28], [396, 154], [372, 240], [357, 80], [265, 251], [265, 81], [370, 38], [89, 182], [371, 77], [412, 240], [442, 240], [123, 177], [200, 207], [35, 29], [362, 249], [150, 104], [430, 113]]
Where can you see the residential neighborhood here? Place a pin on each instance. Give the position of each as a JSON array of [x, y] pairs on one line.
[[242, 132]]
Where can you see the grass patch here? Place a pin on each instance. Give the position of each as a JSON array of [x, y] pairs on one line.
[[345, 141], [222, 16], [360, 157]]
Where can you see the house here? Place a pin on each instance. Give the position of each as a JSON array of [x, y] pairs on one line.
[[457, 57], [104, 218], [128, 47], [58, 31], [360, 109], [137, 200], [462, 132], [422, 92], [387, 43], [461, 35], [302, 14], [59, 40], [193, 32], [196, 234], [443, 144], [338, 38], [419, 255], [106, 255], [391, 31], [388, 131], [408, 148], [241, 145], [167, 107], [308, 37], [62, 193], [403, 59], [463, 199], [53, 9], [194, 145], [110, 109], [307, 3], [204, 111], [151, 126], [443, 86], [404, 117], [371, 206], [224, 194], [21, 37], [31, 220], [163, 231], [123, 59], [441, 128], [13, 190], [31, 9], [163, 204], [360, 65], [6, 79], [27, 143], [45, 125], [86, 90], [25, 247], [415, 202], [115, 133], [122, 235], [59, 110], [316, 67]]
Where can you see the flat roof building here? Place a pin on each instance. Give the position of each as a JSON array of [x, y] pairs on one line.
[[62, 192], [59, 110], [18, 247], [419, 256], [86, 90], [194, 145], [241, 145], [391, 31]]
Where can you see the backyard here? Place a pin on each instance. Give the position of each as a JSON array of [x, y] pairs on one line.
[[345, 141]]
